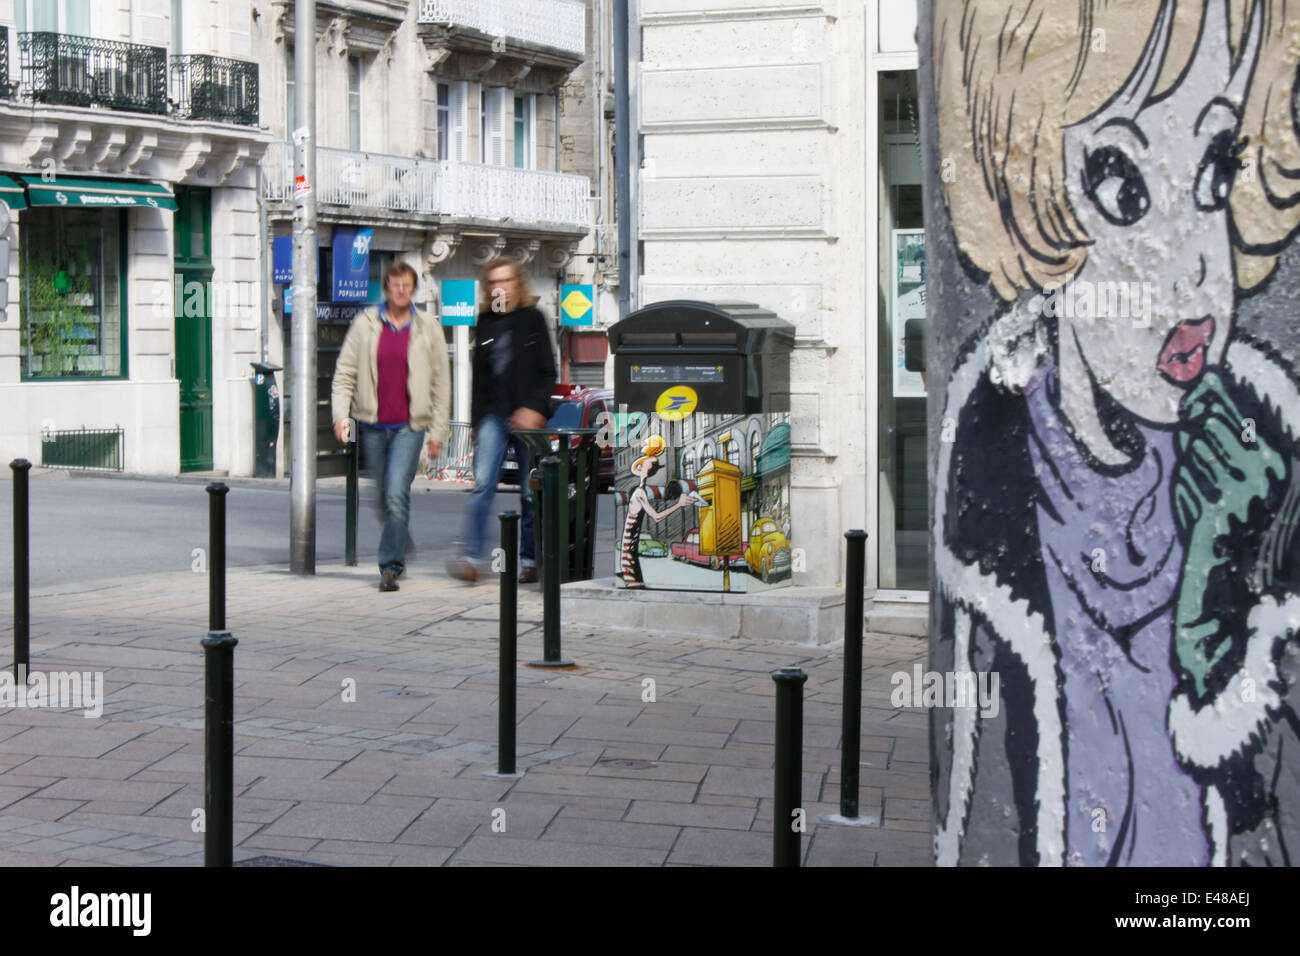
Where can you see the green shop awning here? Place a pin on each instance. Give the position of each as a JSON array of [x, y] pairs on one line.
[[96, 193], [12, 193]]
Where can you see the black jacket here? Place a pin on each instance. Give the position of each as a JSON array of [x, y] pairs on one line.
[[531, 374]]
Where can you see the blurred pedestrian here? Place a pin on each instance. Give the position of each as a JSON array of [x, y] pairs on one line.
[[514, 373], [394, 378]]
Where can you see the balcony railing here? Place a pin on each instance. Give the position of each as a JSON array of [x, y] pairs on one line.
[[83, 71], [559, 24], [215, 88], [429, 187], [6, 88]]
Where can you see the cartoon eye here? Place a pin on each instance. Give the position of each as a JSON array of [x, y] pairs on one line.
[[1218, 168], [1115, 186]]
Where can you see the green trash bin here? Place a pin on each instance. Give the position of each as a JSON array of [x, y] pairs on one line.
[[266, 419]]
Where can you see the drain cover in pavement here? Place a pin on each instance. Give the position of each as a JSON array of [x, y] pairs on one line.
[[625, 764]]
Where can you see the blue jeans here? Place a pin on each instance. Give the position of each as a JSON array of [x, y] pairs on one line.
[[493, 439], [392, 456]]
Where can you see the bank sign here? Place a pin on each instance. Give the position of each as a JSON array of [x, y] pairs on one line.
[[352, 264], [458, 306]]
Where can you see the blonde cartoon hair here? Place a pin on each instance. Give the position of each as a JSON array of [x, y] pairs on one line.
[[652, 449], [1010, 77]]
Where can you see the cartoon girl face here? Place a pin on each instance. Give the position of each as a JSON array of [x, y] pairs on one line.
[[1151, 190]]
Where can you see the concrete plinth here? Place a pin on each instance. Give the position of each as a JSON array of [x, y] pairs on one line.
[[800, 615]]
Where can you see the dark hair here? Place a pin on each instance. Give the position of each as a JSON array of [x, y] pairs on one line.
[[399, 268]]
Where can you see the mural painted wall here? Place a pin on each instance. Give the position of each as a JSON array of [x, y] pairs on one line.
[[1113, 198], [703, 502]]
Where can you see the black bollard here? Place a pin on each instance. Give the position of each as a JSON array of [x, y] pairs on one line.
[[350, 505], [218, 748], [850, 764], [786, 826], [509, 630], [217, 492], [22, 580], [552, 514]]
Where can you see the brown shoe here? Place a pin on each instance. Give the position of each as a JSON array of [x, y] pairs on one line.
[[528, 575], [462, 569]]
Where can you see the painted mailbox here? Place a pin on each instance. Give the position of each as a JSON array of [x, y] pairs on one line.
[[702, 433]]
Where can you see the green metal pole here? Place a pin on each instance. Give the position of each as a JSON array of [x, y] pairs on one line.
[[789, 766], [509, 631]]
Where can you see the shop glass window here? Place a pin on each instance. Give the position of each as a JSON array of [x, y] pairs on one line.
[[71, 293]]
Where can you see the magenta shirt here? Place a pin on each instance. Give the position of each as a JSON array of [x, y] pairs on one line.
[[394, 406]]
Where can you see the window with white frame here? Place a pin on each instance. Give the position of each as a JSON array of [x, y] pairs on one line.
[[290, 107], [492, 104], [444, 121], [354, 103], [53, 16], [525, 108]]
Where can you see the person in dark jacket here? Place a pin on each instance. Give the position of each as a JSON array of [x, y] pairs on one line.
[[514, 372]]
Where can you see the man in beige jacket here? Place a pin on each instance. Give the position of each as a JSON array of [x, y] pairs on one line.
[[394, 379]]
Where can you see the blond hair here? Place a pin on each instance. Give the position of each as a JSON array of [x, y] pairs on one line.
[[526, 296], [1005, 98]]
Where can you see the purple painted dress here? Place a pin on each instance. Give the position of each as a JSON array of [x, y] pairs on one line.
[[1112, 560]]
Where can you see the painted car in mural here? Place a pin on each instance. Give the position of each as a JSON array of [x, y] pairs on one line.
[[1117, 488]]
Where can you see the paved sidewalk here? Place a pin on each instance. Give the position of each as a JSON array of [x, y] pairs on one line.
[[365, 723]]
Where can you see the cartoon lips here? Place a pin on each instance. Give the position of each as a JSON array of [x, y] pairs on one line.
[[1183, 358]]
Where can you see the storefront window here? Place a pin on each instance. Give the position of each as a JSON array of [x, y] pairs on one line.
[[71, 293]]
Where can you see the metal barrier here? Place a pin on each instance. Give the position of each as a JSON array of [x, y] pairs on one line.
[[456, 460], [87, 449]]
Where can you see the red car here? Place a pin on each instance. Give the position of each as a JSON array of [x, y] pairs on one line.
[[689, 551], [574, 407]]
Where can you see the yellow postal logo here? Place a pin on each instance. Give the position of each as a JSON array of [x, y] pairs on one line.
[[676, 403]]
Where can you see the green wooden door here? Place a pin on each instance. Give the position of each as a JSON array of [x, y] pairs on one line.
[[192, 295]]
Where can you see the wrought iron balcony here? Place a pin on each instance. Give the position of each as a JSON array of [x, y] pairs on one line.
[[436, 188], [83, 71], [215, 88], [7, 89], [559, 24]]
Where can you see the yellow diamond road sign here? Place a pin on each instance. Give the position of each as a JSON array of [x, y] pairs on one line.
[[576, 304]]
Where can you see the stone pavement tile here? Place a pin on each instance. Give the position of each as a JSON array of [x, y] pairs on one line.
[[64, 742], [909, 786], [614, 811], [838, 846], [742, 781], [148, 748], [450, 823], [247, 768], [469, 786], [591, 728], [363, 853], [43, 808], [47, 846], [289, 747], [168, 827], [90, 835], [753, 759], [285, 845], [662, 770], [181, 695], [100, 767], [91, 853], [908, 857], [561, 784], [130, 791], [389, 800], [608, 833], [652, 719], [917, 826], [134, 858], [497, 848], [48, 828], [18, 858], [629, 751], [9, 795], [324, 791], [908, 809], [722, 848], [339, 821], [690, 815]]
